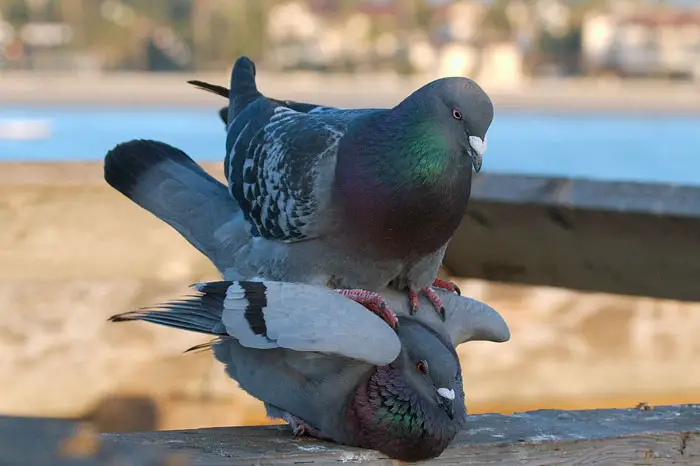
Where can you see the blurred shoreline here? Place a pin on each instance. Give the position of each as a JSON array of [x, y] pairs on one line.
[[163, 90]]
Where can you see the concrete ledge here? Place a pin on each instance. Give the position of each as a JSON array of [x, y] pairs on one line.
[[643, 435], [638, 239]]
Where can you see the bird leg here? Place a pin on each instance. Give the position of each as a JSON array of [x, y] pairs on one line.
[[432, 296], [373, 302]]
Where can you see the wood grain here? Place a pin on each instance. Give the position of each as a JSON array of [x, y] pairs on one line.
[[662, 435]]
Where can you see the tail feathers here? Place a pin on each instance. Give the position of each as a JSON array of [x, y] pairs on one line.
[[127, 163], [213, 88], [243, 77], [243, 89], [203, 313], [204, 346], [200, 314], [224, 92], [223, 114]]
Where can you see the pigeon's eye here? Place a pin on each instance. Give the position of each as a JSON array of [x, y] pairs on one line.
[[456, 114], [422, 367]]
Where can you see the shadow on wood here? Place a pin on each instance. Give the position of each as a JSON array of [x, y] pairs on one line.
[[643, 435]]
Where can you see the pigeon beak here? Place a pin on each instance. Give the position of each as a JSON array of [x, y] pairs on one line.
[[479, 146], [445, 393], [445, 400]]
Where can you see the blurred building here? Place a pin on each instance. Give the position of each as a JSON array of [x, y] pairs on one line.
[[654, 42], [376, 35], [500, 41]]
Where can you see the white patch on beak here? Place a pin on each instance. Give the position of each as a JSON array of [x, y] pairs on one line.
[[478, 144], [445, 393]]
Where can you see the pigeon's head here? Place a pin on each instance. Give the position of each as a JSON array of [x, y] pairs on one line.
[[414, 407], [462, 111], [431, 367]]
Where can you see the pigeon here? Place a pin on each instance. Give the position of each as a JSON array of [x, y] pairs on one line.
[[358, 199], [342, 375], [170, 185]]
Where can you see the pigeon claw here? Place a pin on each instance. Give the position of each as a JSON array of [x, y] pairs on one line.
[[298, 430], [299, 427], [413, 299], [432, 296], [435, 300], [296, 424], [374, 303], [447, 285]]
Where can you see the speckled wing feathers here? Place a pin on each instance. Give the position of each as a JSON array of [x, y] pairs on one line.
[[274, 171]]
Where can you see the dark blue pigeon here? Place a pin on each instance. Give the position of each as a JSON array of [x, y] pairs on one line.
[[358, 199]]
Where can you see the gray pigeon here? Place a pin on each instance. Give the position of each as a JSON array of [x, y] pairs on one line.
[[170, 185], [333, 370], [359, 199]]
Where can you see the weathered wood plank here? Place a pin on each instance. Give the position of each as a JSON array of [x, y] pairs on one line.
[[62, 442], [616, 237], [662, 435]]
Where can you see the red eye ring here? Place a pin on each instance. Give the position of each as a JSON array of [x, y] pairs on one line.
[[422, 367], [456, 114]]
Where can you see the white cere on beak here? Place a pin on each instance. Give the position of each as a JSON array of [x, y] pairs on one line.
[[478, 144], [445, 393]]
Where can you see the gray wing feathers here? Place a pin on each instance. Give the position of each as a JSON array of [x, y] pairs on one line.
[[197, 206], [170, 185], [311, 318], [466, 319]]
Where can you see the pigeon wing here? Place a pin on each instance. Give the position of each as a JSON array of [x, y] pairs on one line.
[[170, 185], [272, 315], [280, 166], [304, 317]]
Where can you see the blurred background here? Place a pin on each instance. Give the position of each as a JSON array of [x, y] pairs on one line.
[[595, 89]]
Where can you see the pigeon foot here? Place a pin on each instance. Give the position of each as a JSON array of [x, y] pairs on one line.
[[373, 302], [447, 285], [299, 427], [432, 296]]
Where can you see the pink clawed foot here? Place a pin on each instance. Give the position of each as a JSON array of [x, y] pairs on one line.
[[373, 302], [447, 285], [432, 296]]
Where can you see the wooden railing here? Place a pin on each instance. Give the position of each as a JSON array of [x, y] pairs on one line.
[[618, 237], [641, 435]]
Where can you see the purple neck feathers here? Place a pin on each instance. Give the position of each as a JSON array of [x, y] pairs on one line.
[[387, 415]]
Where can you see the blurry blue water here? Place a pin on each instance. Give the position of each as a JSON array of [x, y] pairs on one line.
[[602, 146]]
